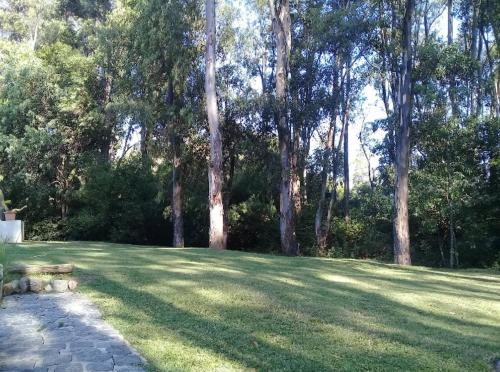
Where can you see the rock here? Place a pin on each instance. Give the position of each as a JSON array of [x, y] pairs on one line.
[[131, 359], [24, 284], [11, 287], [91, 355], [100, 366], [72, 284], [6, 290], [15, 285], [55, 359], [71, 367], [48, 287], [60, 285], [36, 285]]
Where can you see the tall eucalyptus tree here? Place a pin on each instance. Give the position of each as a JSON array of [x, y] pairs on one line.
[[215, 177], [281, 25], [400, 223]]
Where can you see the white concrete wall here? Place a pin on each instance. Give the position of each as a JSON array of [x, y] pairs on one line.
[[12, 231]]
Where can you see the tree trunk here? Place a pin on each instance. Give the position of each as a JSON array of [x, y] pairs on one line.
[[280, 14], [367, 157], [479, 74], [335, 166], [34, 32], [453, 249], [323, 212], [319, 228], [215, 177], [176, 144], [296, 184], [450, 21], [303, 172], [108, 120], [226, 196], [400, 225], [346, 171], [345, 119], [145, 138], [495, 104], [178, 220], [440, 245], [452, 95], [473, 53]]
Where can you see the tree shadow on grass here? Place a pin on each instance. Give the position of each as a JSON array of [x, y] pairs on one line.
[[304, 321], [424, 338], [224, 337]]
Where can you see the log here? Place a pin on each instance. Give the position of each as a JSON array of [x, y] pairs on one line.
[[46, 269]]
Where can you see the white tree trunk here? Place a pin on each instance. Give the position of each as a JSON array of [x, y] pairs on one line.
[[280, 14], [215, 180]]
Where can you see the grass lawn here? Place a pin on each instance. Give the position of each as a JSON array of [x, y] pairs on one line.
[[203, 310]]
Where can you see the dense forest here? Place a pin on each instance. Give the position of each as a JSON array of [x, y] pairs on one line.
[[180, 122]]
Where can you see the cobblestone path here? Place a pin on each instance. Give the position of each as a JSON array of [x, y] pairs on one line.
[[60, 332]]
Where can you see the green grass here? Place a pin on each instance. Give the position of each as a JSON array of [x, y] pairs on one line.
[[203, 310]]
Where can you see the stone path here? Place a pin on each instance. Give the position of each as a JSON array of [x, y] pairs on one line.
[[60, 332]]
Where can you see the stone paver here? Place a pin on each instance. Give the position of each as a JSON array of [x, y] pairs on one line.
[[60, 332]]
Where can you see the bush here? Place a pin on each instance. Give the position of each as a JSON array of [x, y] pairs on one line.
[[47, 229], [254, 225], [119, 205]]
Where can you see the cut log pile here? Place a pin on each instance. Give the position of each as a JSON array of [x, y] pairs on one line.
[[36, 285]]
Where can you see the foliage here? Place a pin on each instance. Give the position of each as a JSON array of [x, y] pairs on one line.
[[128, 213], [252, 222], [94, 95]]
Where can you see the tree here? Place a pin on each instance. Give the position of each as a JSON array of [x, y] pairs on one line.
[[215, 176], [345, 120], [104, 131], [401, 225], [281, 24]]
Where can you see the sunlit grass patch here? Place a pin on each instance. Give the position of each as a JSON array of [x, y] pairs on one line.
[[202, 310]]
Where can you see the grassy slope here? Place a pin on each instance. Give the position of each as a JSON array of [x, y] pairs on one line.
[[201, 310]]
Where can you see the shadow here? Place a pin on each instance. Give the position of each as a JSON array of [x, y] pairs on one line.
[[229, 337]]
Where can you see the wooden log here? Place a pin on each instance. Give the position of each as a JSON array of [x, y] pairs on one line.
[[46, 269]]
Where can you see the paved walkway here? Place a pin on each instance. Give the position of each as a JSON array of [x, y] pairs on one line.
[[60, 332]]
